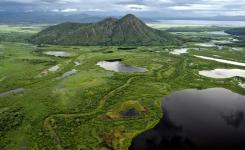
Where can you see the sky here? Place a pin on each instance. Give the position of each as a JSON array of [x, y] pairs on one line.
[[145, 8]]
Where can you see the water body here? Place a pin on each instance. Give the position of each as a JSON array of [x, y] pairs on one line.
[[69, 73], [117, 66], [179, 51], [14, 91], [237, 48], [221, 60], [208, 44], [218, 33], [211, 119], [214, 43], [242, 85], [204, 23], [221, 42], [54, 68], [58, 53], [235, 40], [223, 73], [77, 63]]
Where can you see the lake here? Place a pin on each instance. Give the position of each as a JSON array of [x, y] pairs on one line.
[[242, 85], [54, 68], [117, 66], [221, 60], [69, 73], [204, 23], [218, 33], [215, 43], [58, 53], [223, 73], [179, 51], [211, 119]]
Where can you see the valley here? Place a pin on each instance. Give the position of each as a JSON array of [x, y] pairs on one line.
[[102, 97]]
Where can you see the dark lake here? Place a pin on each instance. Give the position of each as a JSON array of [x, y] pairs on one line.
[[211, 119]]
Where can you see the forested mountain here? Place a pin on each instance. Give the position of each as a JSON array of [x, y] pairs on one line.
[[128, 30]]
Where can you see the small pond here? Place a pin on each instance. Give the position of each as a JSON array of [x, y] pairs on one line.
[[211, 119], [223, 73], [69, 73], [208, 44], [179, 51], [54, 68], [117, 66], [242, 85], [237, 48], [77, 63], [58, 53]]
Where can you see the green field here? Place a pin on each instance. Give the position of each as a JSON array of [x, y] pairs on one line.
[[83, 111]]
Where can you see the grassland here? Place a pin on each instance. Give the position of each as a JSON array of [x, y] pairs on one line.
[[83, 111]]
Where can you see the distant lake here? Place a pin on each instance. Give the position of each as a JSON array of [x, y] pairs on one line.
[[211, 119], [203, 22], [223, 73]]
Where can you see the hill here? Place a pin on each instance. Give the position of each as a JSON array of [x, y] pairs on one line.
[[128, 30]]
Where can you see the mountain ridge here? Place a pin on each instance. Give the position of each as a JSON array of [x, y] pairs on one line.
[[129, 30]]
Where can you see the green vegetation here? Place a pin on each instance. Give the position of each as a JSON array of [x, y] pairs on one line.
[[197, 29], [128, 30], [18, 33], [87, 110]]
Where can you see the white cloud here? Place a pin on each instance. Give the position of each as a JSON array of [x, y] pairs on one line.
[[114, 7], [197, 7], [134, 7], [29, 11], [95, 10], [233, 13], [69, 10], [55, 10]]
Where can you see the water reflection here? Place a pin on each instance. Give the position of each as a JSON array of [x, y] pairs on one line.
[[218, 33], [58, 53], [69, 73], [223, 73], [179, 51], [199, 120], [117, 66]]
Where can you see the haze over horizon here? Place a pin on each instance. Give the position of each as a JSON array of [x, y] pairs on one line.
[[154, 9]]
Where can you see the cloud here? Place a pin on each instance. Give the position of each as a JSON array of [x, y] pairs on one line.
[[196, 7], [69, 10], [66, 10], [135, 7], [115, 7]]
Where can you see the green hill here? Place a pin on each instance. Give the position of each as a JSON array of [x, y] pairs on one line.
[[128, 30]]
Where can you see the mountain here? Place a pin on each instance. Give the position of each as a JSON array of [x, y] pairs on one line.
[[44, 18], [129, 30], [236, 31]]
